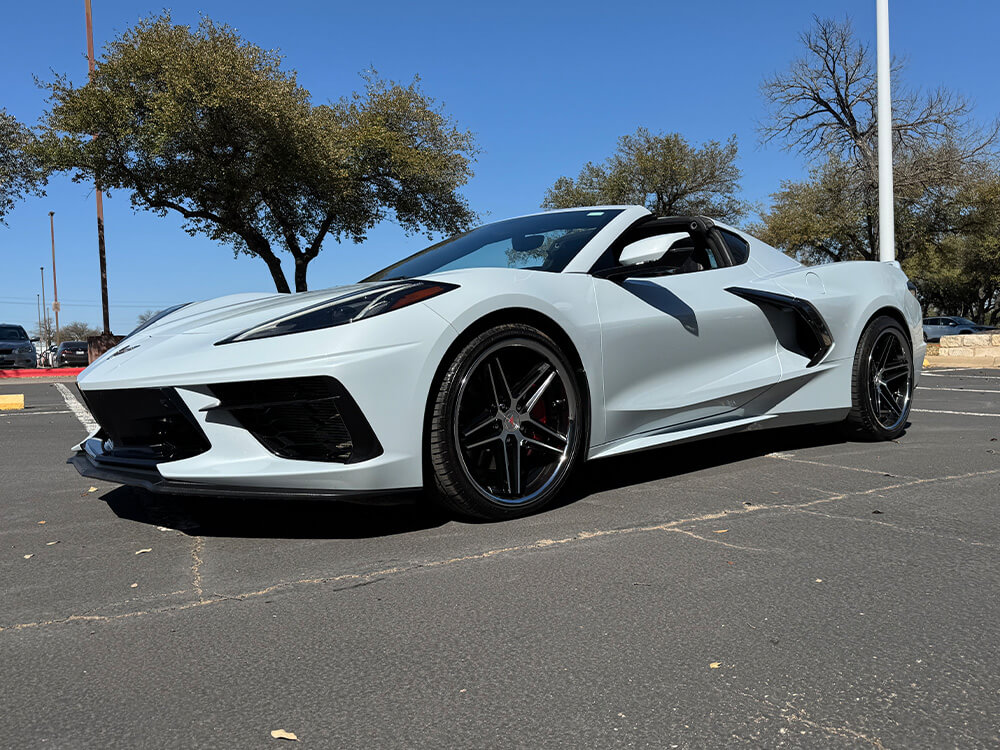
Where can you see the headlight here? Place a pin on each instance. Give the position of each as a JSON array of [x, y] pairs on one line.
[[366, 303], [159, 316], [26, 348]]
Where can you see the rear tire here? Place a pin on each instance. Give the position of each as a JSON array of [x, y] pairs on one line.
[[881, 381], [507, 425]]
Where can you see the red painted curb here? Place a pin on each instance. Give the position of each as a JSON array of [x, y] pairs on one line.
[[52, 372]]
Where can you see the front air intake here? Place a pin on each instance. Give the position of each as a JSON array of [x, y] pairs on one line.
[[145, 425], [308, 419]]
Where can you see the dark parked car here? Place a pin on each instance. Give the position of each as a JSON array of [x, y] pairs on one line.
[[16, 348], [73, 353], [935, 328]]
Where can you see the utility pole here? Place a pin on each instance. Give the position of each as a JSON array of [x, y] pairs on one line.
[[100, 196], [886, 226], [41, 337], [45, 319], [55, 289]]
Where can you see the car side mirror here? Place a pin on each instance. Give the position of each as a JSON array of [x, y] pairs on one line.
[[649, 249], [34, 339]]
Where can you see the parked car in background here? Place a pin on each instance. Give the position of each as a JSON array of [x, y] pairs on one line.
[[17, 349], [48, 356], [935, 328], [71, 354]]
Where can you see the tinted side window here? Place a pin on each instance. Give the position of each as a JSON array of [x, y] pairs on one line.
[[738, 248]]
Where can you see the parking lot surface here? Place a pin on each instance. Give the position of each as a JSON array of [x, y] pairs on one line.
[[784, 589]]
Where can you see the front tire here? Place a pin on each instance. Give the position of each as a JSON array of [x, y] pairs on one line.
[[881, 381], [507, 424]]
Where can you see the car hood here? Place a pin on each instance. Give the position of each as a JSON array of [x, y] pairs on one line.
[[225, 316], [13, 342]]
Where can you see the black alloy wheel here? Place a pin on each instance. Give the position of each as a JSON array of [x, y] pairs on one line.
[[507, 424], [882, 380]]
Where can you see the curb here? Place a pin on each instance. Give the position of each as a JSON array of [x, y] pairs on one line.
[[964, 362], [52, 372]]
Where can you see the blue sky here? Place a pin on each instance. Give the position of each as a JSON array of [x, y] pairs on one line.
[[545, 86]]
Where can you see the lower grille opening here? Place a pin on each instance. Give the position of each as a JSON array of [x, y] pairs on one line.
[[145, 425], [309, 419]]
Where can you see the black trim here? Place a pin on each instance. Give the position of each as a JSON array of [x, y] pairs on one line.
[[151, 480], [813, 338], [606, 266], [145, 426], [306, 419]]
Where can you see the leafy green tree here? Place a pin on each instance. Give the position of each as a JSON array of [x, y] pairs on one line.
[[77, 331], [662, 172], [208, 125], [824, 107], [21, 170]]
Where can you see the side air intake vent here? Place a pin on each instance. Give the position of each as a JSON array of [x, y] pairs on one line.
[[797, 323], [308, 419]]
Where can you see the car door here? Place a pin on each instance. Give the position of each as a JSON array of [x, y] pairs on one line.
[[678, 348]]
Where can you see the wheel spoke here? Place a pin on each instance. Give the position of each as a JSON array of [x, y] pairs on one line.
[[491, 419], [538, 394], [546, 430], [536, 372], [506, 386], [895, 371], [517, 468], [546, 446], [479, 443], [891, 400], [493, 382]]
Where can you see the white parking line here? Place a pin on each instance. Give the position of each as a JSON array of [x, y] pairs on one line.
[[76, 407], [960, 413], [960, 390], [940, 374]]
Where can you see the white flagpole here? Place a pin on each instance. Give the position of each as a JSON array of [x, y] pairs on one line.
[[886, 228]]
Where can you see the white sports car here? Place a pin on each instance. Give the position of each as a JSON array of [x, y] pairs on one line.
[[486, 367]]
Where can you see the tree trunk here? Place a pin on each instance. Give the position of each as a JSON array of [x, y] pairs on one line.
[[260, 247], [301, 263]]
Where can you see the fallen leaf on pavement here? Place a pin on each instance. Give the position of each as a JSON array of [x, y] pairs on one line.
[[41, 522], [92, 489], [715, 665], [28, 557], [49, 544], [721, 531], [877, 512], [134, 586], [281, 734], [819, 580], [142, 551]]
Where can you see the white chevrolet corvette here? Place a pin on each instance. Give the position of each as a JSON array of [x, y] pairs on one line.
[[486, 367]]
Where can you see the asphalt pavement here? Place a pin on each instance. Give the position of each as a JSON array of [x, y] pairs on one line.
[[774, 589]]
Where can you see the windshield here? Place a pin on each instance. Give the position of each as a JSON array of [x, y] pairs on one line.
[[12, 333], [964, 322], [544, 242]]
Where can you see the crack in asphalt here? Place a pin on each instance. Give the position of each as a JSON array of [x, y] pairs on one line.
[[791, 713], [364, 578], [897, 527]]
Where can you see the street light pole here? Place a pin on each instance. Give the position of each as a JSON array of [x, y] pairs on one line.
[[55, 289], [45, 313], [100, 196], [886, 226]]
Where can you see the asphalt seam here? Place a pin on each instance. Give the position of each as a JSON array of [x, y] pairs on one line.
[[488, 554], [791, 457], [897, 527]]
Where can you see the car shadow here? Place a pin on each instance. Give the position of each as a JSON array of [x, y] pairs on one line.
[[297, 518]]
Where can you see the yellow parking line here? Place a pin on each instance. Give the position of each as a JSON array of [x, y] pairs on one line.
[[11, 401]]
